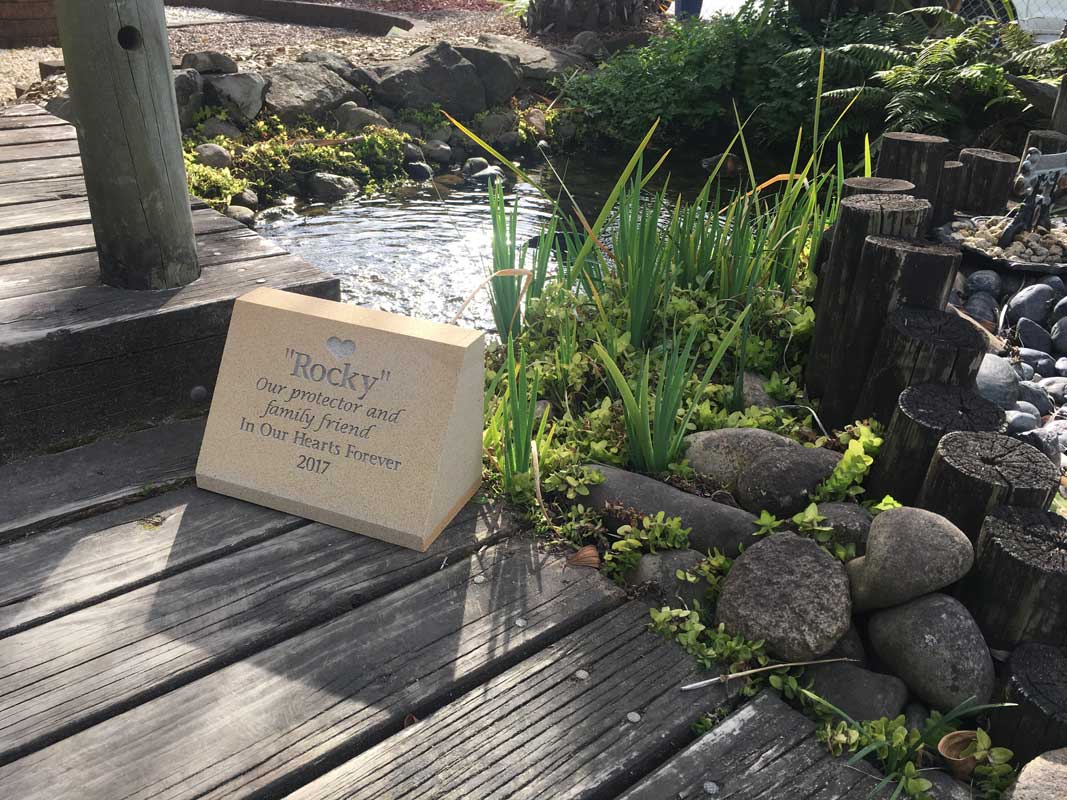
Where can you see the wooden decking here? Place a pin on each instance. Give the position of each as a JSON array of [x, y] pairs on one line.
[[78, 358]]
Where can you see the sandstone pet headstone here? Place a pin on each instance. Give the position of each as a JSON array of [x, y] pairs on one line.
[[361, 419]]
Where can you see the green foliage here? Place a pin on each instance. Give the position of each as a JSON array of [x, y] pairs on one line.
[[711, 646], [862, 444], [767, 523], [711, 572], [213, 185], [994, 772], [513, 426], [649, 534], [505, 290], [655, 440]]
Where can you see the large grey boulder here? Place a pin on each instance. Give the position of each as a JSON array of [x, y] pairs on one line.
[[860, 693], [714, 525], [850, 523], [352, 118], [189, 92], [500, 72], [721, 455], [934, 645], [998, 382], [538, 64], [1034, 302], [213, 127], [335, 62], [1037, 396], [300, 89], [208, 62], [328, 188], [788, 592], [1044, 778], [910, 552], [241, 94], [782, 480], [437, 151], [1033, 335], [660, 570], [984, 280], [437, 74]]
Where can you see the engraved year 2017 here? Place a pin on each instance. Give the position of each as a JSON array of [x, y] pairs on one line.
[[316, 465]]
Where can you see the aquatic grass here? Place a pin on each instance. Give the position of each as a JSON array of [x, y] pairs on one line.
[[518, 422], [654, 430], [505, 291]]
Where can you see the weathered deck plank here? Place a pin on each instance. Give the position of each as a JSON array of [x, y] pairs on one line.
[[13, 194], [36, 151], [272, 721], [24, 123], [51, 489], [59, 571], [92, 664], [55, 241], [50, 133], [764, 750], [503, 738], [76, 270], [20, 171]]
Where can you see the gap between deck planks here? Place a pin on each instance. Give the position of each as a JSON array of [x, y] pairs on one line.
[[278, 718], [269, 577], [541, 729]]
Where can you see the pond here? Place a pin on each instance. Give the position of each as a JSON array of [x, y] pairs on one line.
[[422, 250]]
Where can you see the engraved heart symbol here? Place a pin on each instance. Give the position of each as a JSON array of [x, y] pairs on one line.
[[340, 348]]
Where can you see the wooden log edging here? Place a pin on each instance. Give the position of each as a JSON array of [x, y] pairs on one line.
[[919, 345], [875, 185], [1017, 590], [987, 181], [859, 216], [924, 414], [915, 157], [973, 472], [122, 88], [894, 272], [948, 192], [1037, 682]]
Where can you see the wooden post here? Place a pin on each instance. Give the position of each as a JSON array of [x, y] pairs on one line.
[[1037, 682], [858, 217], [948, 192], [875, 185], [1046, 141], [924, 414], [987, 180], [119, 72], [919, 345], [915, 157], [1017, 590], [1059, 111], [972, 473], [892, 272]]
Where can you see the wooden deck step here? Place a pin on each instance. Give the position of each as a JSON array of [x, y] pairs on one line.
[[34, 151], [36, 191], [13, 122], [764, 751], [556, 725], [48, 490], [277, 719], [96, 662], [20, 171]]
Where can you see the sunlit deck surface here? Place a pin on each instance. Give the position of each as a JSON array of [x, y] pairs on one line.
[[161, 641]]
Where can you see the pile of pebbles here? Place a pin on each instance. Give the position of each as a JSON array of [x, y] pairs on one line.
[[1030, 382], [1039, 246]]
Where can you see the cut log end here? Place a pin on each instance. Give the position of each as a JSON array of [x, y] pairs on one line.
[[998, 461], [944, 409], [933, 325], [1038, 683], [1033, 538], [876, 185]]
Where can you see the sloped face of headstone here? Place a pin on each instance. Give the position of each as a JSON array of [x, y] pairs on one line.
[[361, 419]]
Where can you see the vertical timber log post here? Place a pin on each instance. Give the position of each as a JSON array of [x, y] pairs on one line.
[[1046, 141], [858, 217], [948, 192], [919, 345], [914, 157], [1037, 682], [119, 72], [972, 473], [924, 414], [1059, 111], [1017, 590], [894, 272], [988, 177]]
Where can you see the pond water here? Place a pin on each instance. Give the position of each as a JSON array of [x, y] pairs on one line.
[[422, 250]]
